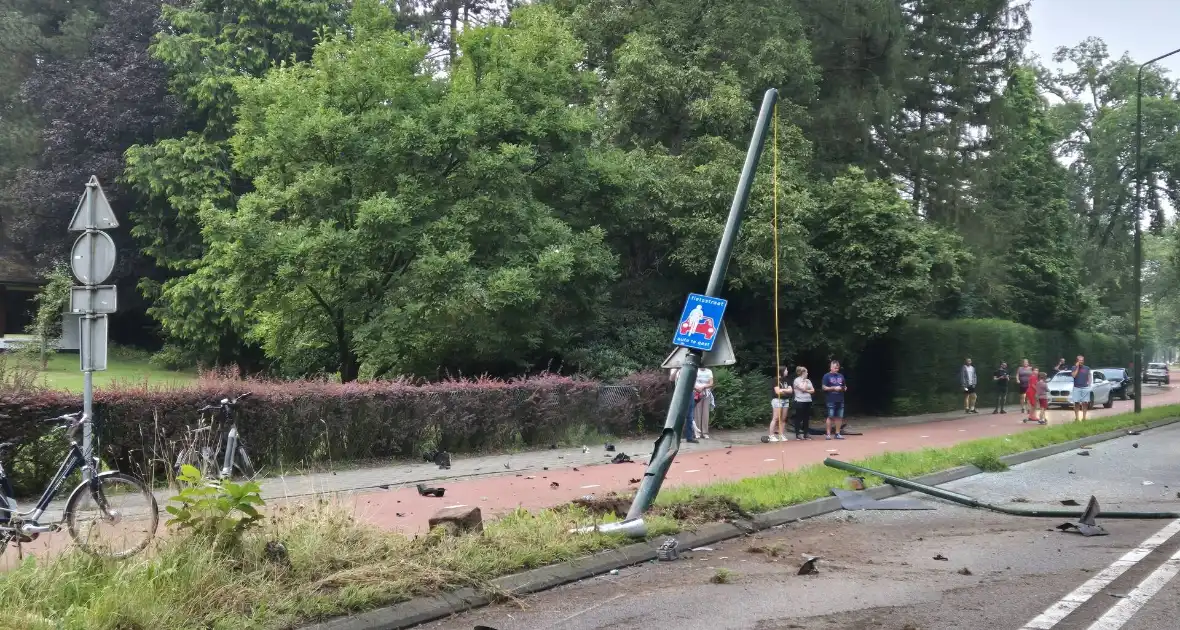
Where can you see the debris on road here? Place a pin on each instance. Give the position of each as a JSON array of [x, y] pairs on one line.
[[1086, 524], [635, 480], [384, 486], [1069, 502], [808, 567], [530, 477], [400, 514], [576, 469], [704, 549], [856, 501], [1148, 483], [941, 557], [965, 571], [585, 449], [554, 484], [614, 571], [1135, 445], [507, 466], [1020, 500], [621, 458], [766, 439], [667, 551], [1084, 453], [484, 628], [1133, 432], [431, 492]]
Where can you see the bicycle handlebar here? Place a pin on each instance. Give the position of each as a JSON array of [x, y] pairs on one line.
[[225, 403]]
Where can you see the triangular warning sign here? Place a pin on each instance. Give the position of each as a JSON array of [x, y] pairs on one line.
[[720, 355], [93, 211]]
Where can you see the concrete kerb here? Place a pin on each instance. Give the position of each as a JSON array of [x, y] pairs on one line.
[[426, 609]]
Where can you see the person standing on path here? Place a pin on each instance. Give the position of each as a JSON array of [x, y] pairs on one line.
[[834, 387], [703, 394], [969, 380], [1080, 394], [1001, 378], [1023, 374], [780, 406], [1029, 395], [1043, 398], [803, 391]]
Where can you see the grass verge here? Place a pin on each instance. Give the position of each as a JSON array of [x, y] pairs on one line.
[[337, 565]]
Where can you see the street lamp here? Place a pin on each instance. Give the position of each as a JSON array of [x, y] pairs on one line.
[[1138, 350]]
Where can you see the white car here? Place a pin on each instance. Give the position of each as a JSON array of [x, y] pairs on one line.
[[1061, 385]]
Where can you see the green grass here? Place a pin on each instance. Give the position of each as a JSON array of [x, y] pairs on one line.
[[125, 366], [768, 492], [338, 565]]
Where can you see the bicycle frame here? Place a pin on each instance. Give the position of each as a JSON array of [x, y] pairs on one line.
[[29, 520]]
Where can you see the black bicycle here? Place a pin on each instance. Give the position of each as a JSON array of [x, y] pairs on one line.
[[121, 501], [223, 455]]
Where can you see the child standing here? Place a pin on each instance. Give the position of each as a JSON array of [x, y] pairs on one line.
[[1042, 399]]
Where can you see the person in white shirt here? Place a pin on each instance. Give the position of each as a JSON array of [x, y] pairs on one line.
[[703, 398], [803, 391]]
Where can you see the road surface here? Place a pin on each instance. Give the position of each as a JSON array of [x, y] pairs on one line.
[[879, 570]]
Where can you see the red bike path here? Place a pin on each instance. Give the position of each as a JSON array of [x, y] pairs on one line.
[[404, 510]]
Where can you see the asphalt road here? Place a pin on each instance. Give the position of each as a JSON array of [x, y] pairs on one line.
[[878, 570]]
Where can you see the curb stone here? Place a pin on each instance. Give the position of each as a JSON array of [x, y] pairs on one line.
[[426, 609]]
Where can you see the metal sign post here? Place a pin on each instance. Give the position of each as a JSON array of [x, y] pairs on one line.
[[92, 260], [668, 444]]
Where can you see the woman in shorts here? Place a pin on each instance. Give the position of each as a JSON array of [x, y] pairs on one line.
[[780, 406]]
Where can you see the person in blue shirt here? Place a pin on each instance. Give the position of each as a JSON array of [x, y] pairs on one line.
[[1080, 394], [834, 387]]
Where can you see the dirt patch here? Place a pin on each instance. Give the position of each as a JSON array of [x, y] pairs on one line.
[[602, 506], [706, 510]]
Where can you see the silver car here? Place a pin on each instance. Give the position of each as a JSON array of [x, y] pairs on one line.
[[1061, 385], [1157, 373]]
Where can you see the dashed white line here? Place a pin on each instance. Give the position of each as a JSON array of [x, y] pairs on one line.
[[1055, 613], [1121, 613]]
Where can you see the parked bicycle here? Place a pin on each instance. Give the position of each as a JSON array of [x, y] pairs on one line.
[[116, 499], [220, 455]]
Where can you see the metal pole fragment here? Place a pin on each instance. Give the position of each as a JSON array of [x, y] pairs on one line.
[[668, 444]]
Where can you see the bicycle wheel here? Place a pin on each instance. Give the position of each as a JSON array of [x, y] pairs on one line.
[[120, 522], [244, 465]]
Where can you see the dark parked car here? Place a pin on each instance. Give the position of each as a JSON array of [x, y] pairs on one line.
[[1122, 385]]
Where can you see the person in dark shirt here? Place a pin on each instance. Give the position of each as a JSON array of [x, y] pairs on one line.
[[1001, 378], [834, 387]]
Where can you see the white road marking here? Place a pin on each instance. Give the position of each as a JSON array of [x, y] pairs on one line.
[[1055, 613], [595, 485], [1121, 613]]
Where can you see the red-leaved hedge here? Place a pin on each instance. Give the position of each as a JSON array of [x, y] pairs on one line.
[[292, 424]]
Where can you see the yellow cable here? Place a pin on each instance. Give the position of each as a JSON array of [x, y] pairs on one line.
[[777, 348]]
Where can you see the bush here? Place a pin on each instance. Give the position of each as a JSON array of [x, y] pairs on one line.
[[922, 359], [293, 424]]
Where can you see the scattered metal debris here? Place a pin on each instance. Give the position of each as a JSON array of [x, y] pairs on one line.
[[621, 458], [430, 492], [1135, 445], [704, 549], [1148, 483], [1069, 502], [667, 551], [941, 557], [554, 484], [965, 571], [1084, 453], [635, 480], [856, 501], [1020, 500], [809, 567], [1086, 525]]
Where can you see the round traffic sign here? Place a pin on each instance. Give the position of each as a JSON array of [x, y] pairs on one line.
[[93, 257]]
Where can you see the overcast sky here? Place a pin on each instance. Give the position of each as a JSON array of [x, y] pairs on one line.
[[1142, 28]]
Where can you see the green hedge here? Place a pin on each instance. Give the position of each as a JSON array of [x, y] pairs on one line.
[[924, 357]]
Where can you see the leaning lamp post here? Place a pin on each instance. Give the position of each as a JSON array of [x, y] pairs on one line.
[[1138, 350]]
